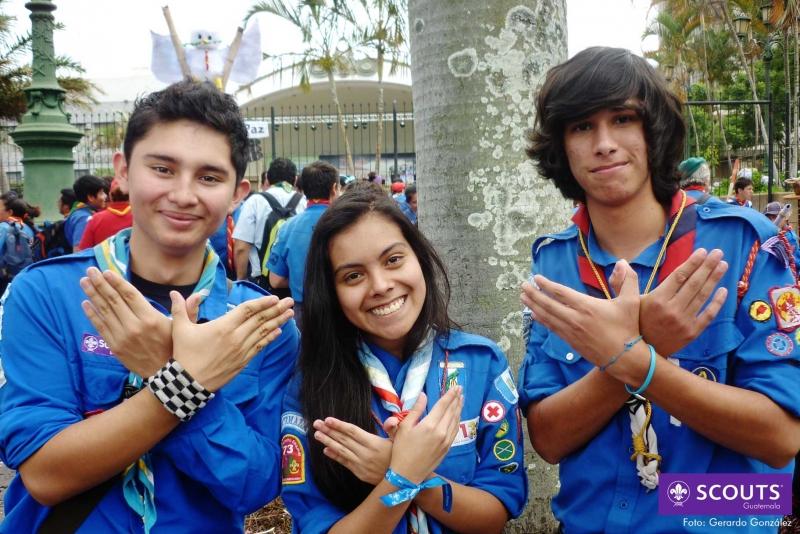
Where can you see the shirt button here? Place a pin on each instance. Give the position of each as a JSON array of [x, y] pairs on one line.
[[623, 504], [706, 209], [570, 356]]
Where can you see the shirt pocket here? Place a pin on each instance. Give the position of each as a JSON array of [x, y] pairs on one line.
[[707, 356], [103, 382], [459, 464], [572, 363]]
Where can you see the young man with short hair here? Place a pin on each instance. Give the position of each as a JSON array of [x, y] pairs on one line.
[[742, 192], [90, 192], [148, 423], [630, 337], [287, 261], [248, 233]]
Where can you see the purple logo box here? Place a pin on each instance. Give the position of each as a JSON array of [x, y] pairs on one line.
[[95, 344], [724, 494]]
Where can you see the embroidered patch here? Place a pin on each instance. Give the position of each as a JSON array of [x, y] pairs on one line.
[[95, 345], [503, 430], [786, 305], [779, 344], [760, 311], [508, 468], [504, 450], [797, 336], [709, 373], [467, 432], [493, 412], [505, 385], [456, 375], [293, 421], [293, 462]]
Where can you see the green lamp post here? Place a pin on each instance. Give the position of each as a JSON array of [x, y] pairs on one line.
[[45, 134]]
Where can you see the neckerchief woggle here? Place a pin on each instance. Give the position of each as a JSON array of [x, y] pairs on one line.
[[679, 248], [418, 365], [138, 484]]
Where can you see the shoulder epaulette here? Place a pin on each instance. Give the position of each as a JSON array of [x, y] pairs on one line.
[[719, 210], [565, 235]]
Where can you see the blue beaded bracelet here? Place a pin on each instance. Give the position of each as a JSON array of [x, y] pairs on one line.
[[649, 377], [408, 490]]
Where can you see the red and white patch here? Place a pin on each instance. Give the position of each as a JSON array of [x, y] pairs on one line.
[[293, 462], [786, 305], [493, 412]]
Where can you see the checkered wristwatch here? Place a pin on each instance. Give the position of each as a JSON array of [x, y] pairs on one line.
[[180, 394]]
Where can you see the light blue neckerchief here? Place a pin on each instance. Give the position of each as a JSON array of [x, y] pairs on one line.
[[138, 485]]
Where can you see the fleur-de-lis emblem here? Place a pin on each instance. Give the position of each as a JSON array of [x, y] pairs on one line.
[[678, 492]]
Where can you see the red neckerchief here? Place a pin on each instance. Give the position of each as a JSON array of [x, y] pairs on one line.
[[680, 246], [318, 201], [695, 187]]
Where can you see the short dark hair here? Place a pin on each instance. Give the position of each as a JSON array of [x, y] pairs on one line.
[[88, 185], [603, 78], [317, 180], [410, 190], [198, 102], [741, 183], [68, 197], [281, 170], [334, 383]]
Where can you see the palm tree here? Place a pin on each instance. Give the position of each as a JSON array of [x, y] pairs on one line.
[[384, 34], [325, 30]]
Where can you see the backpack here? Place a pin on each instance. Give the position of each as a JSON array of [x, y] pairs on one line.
[[17, 253], [275, 220], [50, 241]]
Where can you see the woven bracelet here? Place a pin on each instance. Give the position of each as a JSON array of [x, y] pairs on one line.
[[628, 346], [179, 393]]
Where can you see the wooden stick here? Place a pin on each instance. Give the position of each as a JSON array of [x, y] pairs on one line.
[[232, 51], [176, 42]]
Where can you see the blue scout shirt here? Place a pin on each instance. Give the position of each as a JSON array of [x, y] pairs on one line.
[[75, 224], [288, 255], [486, 454], [742, 347], [209, 472]]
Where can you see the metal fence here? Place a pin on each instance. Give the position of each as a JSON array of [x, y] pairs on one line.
[[301, 133], [722, 131]]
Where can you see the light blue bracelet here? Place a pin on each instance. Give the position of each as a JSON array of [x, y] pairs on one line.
[[628, 346], [408, 490], [649, 377]]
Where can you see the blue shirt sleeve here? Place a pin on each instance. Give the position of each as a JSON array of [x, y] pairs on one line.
[[500, 469], [230, 445], [311, 511], [768, 359], [39, 399], [3, 232]]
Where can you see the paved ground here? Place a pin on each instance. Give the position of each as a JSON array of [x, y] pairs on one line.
[[6, 475]]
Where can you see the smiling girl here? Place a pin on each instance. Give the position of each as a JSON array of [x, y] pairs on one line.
[[395, 422]]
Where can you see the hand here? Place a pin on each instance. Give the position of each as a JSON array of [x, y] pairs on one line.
[[419, 448], [139, 335], [596, 328], [366, 455], [668, 315], [214, 352]]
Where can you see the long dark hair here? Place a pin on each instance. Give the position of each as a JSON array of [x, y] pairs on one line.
[[602, 78], [334, 383]]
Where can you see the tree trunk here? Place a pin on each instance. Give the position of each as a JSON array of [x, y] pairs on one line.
[[379, 141], [351, 169], [476, 67]]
